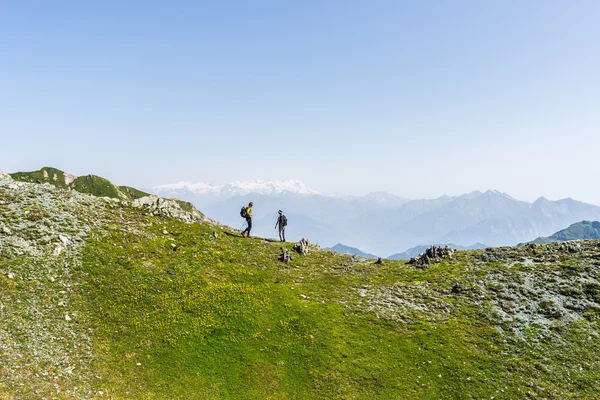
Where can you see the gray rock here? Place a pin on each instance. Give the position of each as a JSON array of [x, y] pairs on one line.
[[6, 231], [169, 208], [433, 254], [571, 247], [302, 247]]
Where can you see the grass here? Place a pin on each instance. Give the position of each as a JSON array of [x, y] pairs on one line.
[[97, 186], [132, 193], [45, 174], [230, 322]]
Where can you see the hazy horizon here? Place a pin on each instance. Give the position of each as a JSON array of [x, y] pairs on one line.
[[418, 100]]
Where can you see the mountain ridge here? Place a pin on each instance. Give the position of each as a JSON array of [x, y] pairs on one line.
[[584, 230]]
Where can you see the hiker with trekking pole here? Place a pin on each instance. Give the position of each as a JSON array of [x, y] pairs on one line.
[[281, 223], [246, 212]]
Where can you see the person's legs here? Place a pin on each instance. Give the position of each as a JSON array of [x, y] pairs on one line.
[[282, 233], [246, 232], [249, 228]]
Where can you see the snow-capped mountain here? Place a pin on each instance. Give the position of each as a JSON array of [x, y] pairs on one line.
[[382, 223], [237, 188]]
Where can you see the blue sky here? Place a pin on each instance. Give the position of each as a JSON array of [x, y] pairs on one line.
[[414, 98]]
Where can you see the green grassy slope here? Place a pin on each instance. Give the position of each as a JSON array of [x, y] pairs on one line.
[[133, 193], [584, 230], [161, 309], [230, 322], [98, 186]]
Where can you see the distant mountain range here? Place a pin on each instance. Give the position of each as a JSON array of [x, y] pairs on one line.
[[584, 230], [340, 248], [382, 223]]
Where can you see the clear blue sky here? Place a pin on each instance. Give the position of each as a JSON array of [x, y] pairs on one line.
[[417, 98]]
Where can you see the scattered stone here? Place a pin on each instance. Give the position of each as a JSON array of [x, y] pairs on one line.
[[165, 232], [57, 251], [174, 246], [355, 258], [490, 256], [11, 275], [571, 247], [215, 235], [285, 256], [67, 317], [6, 231]]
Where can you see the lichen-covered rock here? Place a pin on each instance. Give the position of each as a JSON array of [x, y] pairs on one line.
[[169, 208]]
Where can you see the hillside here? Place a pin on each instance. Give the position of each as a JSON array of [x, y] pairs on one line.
[[583, 230], [90, 184], [103, 298]]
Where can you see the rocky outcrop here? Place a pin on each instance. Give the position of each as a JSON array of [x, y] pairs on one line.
[[433, 254], [169, 208]]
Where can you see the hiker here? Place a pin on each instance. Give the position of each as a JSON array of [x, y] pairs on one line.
[[246, 212], [282, 223]]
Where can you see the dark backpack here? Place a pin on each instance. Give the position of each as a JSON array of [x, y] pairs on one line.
[[243, 213], [283, 220]]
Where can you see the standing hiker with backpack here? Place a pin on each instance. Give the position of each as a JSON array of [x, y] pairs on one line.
[[246, 212], [282, 223]]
